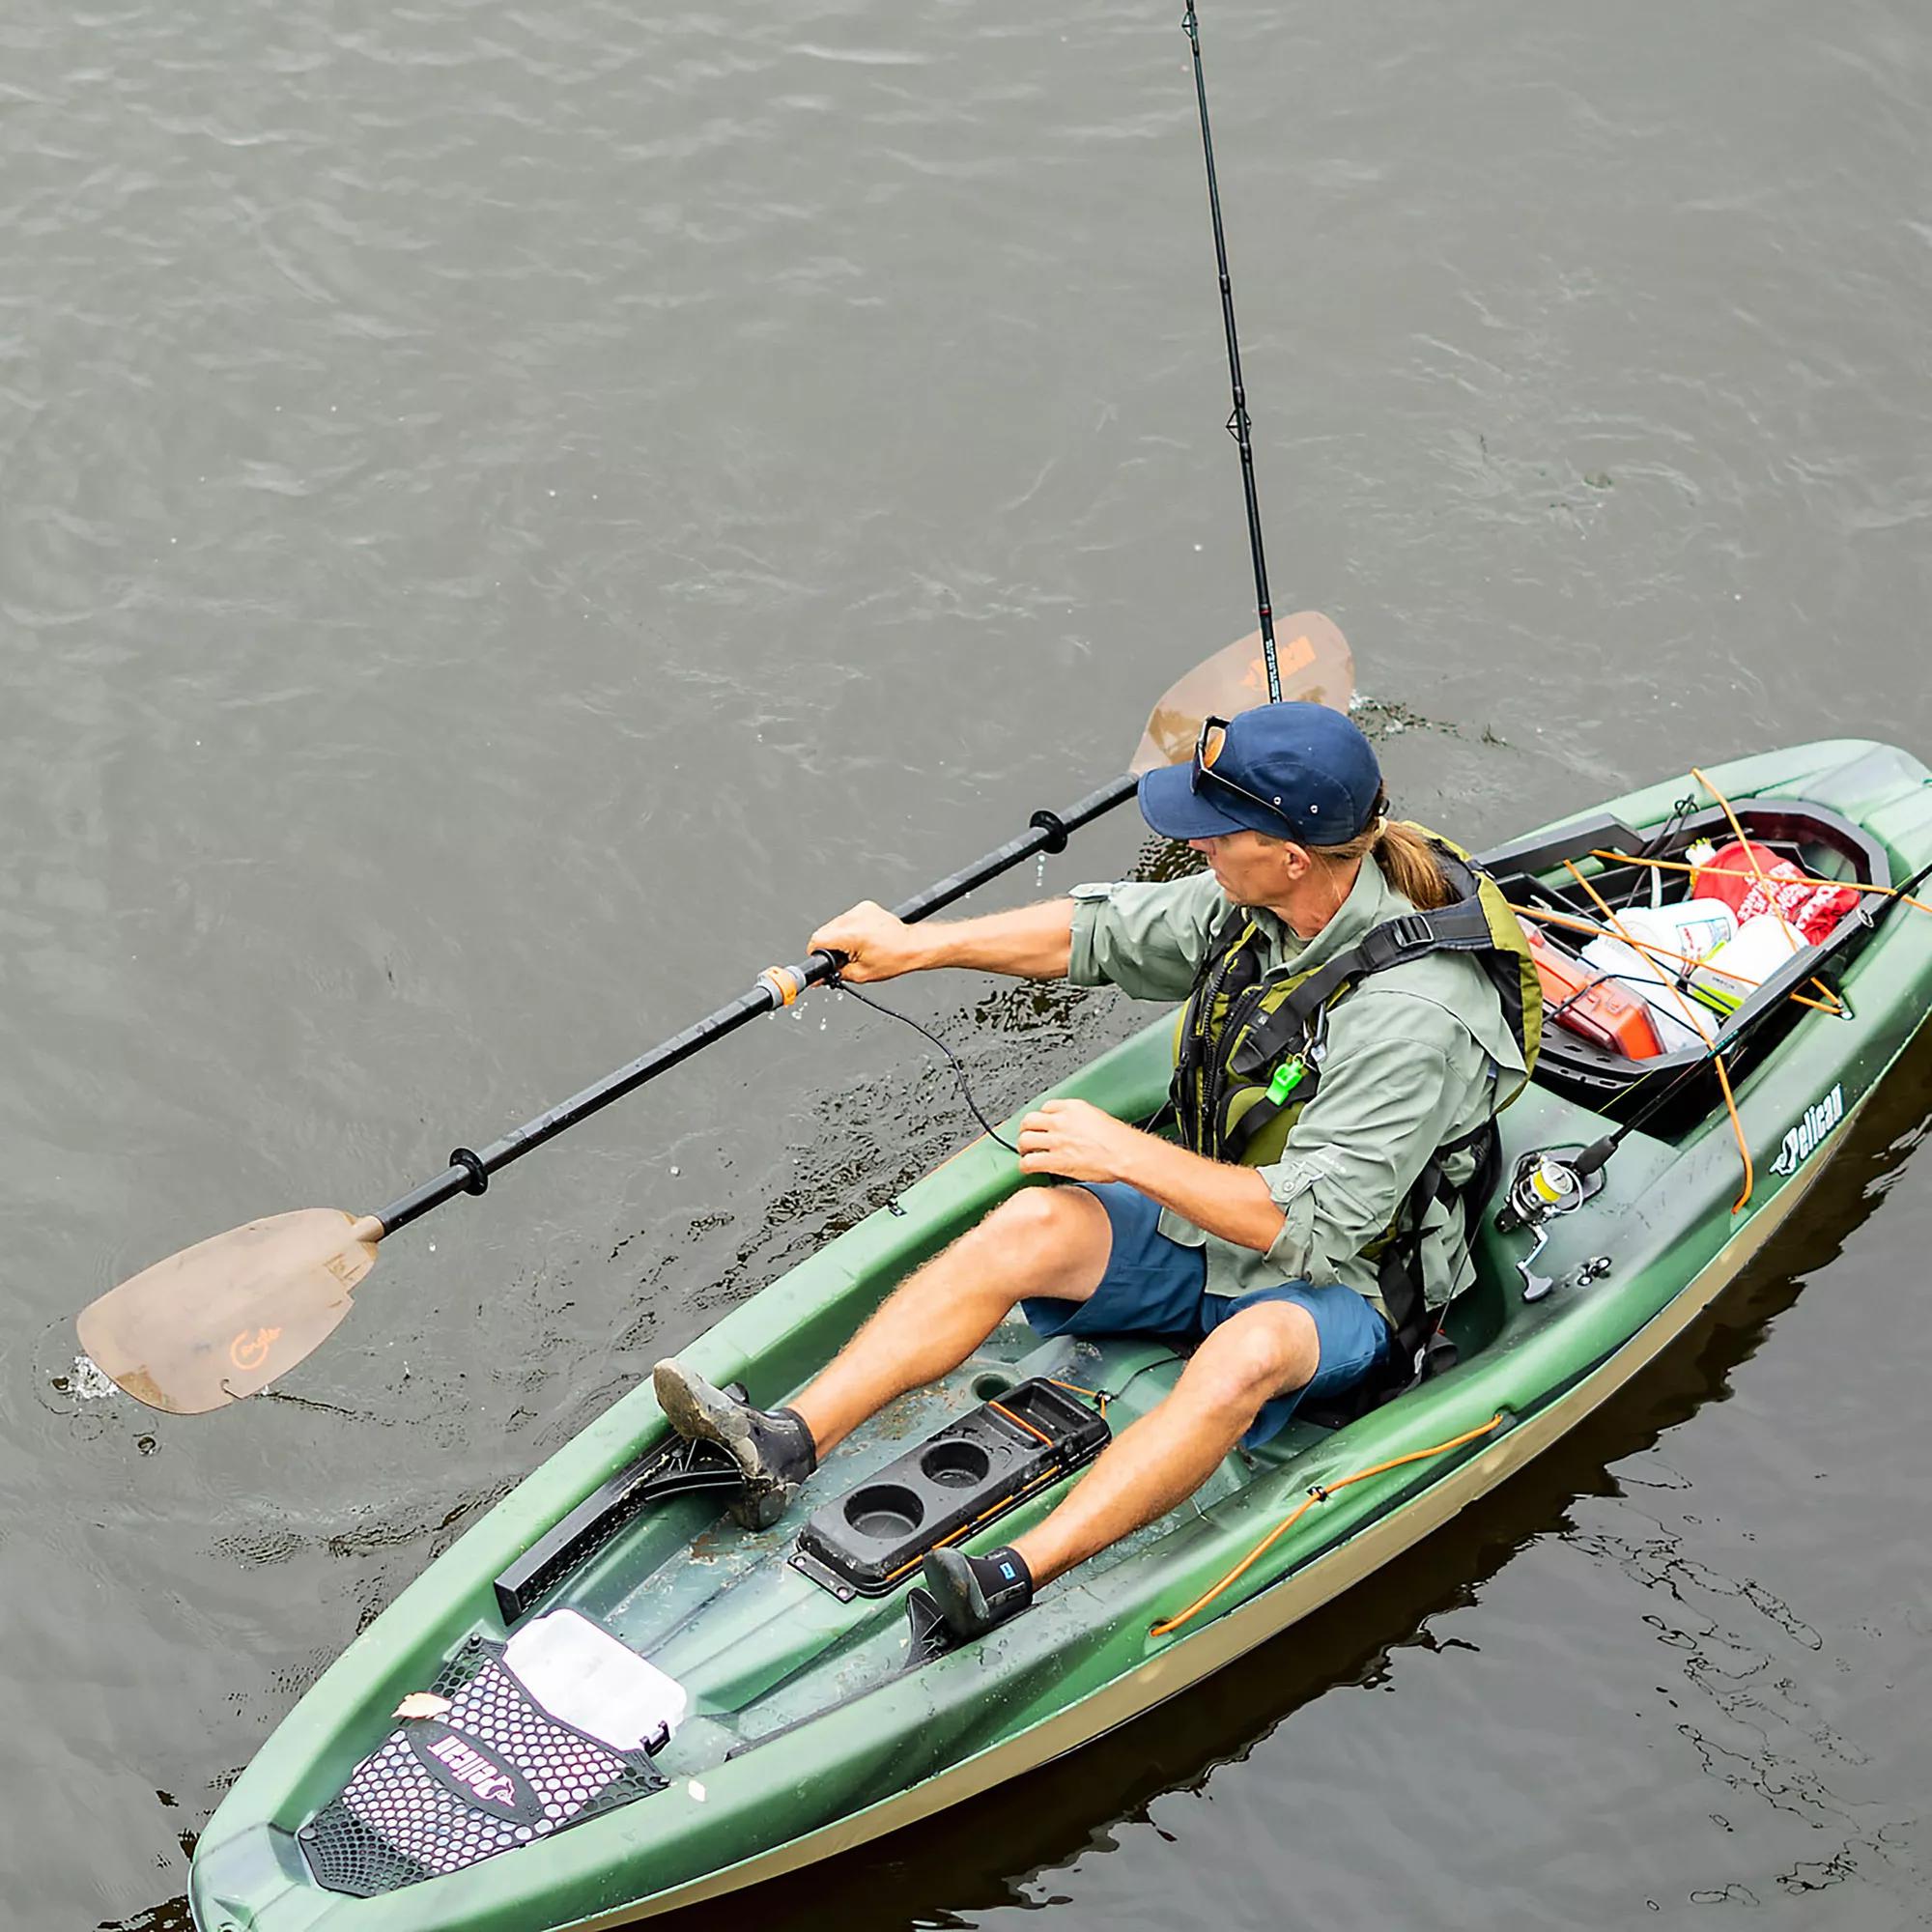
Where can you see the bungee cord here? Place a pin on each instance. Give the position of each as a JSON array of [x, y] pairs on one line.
[[1319, 1492]]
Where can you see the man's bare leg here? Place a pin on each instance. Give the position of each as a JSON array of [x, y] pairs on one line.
[[1045, 1242], [1262, 1352], [1042, 1241]]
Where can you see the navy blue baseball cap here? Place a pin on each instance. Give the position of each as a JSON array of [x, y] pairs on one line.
[[1288, 770]]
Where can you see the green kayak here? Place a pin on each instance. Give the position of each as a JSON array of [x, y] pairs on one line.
[[607, 1702]]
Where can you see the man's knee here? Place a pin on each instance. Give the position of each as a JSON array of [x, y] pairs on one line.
[[1270, 1349], [1060, 1217], [1055, 1233]]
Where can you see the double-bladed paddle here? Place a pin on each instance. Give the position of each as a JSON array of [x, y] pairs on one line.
[[224, 1319]]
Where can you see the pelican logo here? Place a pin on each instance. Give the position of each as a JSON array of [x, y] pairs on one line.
[[1804, 1140], [250, 1349], [463, 1765]]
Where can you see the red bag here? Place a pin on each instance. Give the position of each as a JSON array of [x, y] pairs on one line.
[[1808, 905]]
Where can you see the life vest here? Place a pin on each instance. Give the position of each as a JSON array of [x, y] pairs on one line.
[[1249, 1047]]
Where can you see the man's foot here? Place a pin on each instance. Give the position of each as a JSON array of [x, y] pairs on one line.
[[976, 1592], [772, 1449]]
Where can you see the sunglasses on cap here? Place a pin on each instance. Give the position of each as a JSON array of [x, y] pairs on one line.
[[1208, 747]]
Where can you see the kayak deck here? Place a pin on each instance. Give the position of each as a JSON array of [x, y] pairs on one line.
[[817, 1720]]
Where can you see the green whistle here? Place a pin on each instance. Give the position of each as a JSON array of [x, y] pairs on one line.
[[1287, 1078]]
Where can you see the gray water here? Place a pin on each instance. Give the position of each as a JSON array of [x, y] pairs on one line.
[[512, 517]]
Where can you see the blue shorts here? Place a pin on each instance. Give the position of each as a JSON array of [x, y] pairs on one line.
[[1153, 1285]]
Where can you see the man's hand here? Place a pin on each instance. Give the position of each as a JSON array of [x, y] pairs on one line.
[[1079, 1141], [876, 945], [1033, 942]]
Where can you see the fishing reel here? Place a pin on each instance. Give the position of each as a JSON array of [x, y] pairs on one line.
[[1548, 1182]]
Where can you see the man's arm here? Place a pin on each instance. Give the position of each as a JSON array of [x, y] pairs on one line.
[[1033, 942], [1144, 939], [1399, 1073]]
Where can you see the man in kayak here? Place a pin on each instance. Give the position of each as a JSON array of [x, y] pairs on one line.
[[1270, 1235]]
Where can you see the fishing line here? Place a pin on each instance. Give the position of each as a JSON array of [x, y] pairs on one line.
[[953, 1059]]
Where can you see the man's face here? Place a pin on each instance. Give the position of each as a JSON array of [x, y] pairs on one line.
[[1252, 870]]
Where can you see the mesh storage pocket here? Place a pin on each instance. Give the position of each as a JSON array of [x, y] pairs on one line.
[[495, 1772]]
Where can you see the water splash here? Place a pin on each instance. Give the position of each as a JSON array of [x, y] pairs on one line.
[[90, 1382]]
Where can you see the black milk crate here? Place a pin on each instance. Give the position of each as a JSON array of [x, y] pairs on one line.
[[1531, 873]]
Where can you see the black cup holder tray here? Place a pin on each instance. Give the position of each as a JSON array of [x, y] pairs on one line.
[[871, 1539]]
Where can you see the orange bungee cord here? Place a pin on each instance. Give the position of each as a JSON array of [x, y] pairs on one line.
[[1732, 872], [1320, 1493]]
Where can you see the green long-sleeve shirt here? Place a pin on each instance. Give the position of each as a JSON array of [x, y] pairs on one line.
[[1414, 1055]]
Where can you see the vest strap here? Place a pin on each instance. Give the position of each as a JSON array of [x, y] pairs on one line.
[[1231, 970], [1460, 928], [1419, 1345]]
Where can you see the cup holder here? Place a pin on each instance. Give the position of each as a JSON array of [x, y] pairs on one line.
[[948, 1485], [956, 1465], [884, 1510]]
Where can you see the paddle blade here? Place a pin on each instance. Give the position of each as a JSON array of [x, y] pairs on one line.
[[1311, 654], [224, 1318]]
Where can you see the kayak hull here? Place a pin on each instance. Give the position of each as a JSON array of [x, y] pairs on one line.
[[811, 1733]]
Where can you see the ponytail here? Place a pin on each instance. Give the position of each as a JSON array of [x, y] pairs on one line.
[[1410, 866], [1404, 856]]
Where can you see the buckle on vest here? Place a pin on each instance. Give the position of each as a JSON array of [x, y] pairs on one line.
[[1408, 932]]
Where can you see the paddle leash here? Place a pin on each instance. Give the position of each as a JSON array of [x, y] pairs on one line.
[[1237, 422]]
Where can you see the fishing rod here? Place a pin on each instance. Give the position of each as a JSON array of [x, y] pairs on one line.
[[1237, 422]]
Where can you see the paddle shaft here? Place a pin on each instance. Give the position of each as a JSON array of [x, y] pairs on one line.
[[469, 1172], [1237, 424]]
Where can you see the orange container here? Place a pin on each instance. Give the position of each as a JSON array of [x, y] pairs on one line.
[[1600, 1009]]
